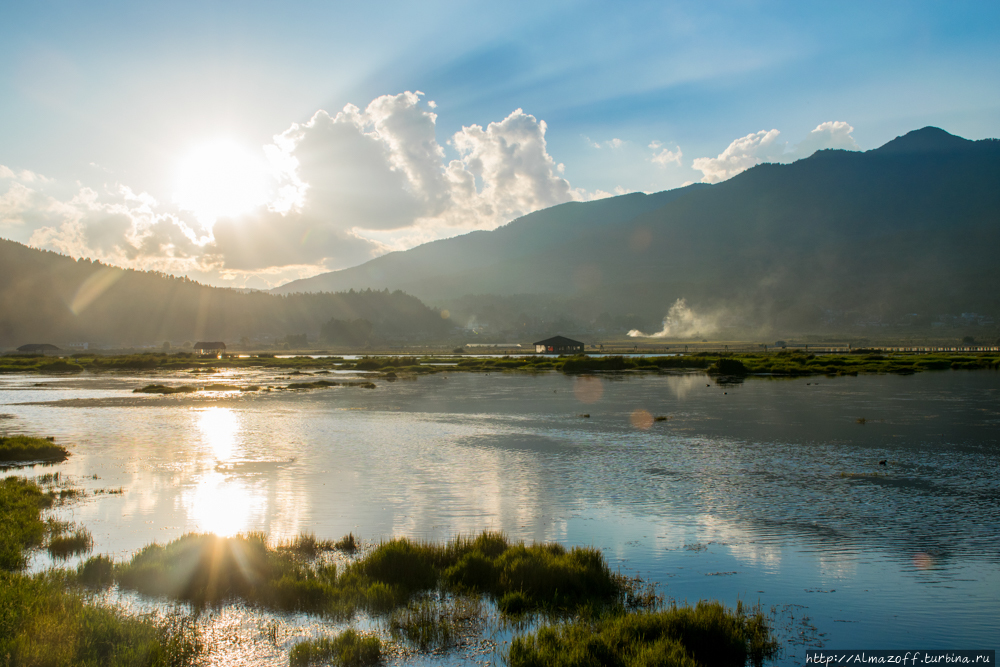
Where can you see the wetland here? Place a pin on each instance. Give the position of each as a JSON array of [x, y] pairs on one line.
[[769, 491]]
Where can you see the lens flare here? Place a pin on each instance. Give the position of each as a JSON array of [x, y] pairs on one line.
[[588, 389], [641, 419]]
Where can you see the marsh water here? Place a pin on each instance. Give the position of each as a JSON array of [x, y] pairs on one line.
[[770, 490]]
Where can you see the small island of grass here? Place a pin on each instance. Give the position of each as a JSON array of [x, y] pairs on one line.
[[23, 448]]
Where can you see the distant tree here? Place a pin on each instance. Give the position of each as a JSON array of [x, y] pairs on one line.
[[166, 345]]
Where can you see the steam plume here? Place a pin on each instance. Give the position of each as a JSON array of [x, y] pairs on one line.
[[681, 322]]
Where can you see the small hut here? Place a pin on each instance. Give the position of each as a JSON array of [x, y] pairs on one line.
[[217, 347], [559, 345]]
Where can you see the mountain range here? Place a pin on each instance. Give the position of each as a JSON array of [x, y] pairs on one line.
[[907, 230]]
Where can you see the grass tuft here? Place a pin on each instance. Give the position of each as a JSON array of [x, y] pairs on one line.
[[348, 649], [62, 546], [97, 571], [348, 543], [27, 448], [307, 545], [708, 634]]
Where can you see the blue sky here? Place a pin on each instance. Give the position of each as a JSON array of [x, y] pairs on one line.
[[103, 104]]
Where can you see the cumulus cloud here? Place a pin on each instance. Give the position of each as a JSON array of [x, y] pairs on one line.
[[764, 146], [349, 186], [740, 155]]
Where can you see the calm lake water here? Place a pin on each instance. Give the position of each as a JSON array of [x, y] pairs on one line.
[[762, 491]]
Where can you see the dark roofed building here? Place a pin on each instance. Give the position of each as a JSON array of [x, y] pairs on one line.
[[217, 347], [38, 347], [558, 345]]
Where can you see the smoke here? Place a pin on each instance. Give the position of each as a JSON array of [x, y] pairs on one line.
[[681, 322]]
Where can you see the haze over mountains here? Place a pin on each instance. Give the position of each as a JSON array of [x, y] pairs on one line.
[[907, 232], [50, 298]]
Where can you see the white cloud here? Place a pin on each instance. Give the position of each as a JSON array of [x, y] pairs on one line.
[[764, 146], [831, 134], [740, 155], [349, 186], [510, 159], [613, 143], [665, 156]]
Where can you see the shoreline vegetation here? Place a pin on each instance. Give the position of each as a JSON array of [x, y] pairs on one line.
[[568, 607], [785, 363]]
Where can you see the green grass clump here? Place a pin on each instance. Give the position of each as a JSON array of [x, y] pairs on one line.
[[348, 543], [423, 624], [41, 623], [208, 570], [96, 571], [79, 541], [27, 448], [164, 389], [348, 649], [707, 635], [205, 569], [21, 505], [307, 545]]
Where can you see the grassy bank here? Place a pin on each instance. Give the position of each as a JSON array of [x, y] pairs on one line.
[[45, 621], [27, 448]]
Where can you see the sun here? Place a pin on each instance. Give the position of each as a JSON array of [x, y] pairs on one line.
[[221, 178]]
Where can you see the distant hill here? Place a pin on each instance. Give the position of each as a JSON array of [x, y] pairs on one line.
[[908, 230], [50, 298]]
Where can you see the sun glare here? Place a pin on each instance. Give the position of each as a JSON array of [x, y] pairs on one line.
[[221, 178]]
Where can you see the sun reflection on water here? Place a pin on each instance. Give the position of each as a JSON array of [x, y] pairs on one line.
[[219, 428], [221, 503]]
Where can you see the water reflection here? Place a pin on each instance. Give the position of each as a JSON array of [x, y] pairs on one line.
[[219, 428], [223, 505]]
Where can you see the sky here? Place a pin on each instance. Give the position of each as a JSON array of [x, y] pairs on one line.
[[249, 144]]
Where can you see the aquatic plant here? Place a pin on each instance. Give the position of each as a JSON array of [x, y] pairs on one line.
[[348, 649], [96, 571], [43, 623], [306, 544], [27, 448], [348, 543], [21, 505], [63, 546], [708, 634], [206, 569]]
